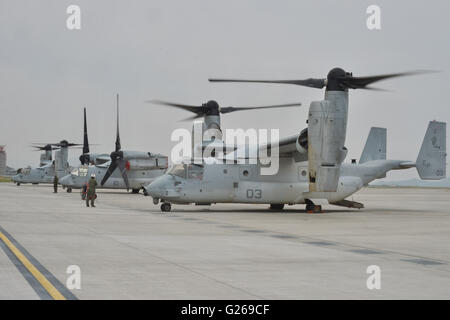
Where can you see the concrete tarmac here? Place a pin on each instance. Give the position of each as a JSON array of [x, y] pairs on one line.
[[127, 249]]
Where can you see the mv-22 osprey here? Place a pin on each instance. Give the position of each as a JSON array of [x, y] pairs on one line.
[[311, 169], [136, 169], [48, 168]]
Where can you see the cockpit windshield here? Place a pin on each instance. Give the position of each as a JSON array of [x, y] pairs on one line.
[[187, 171], [178, 170], [81, 172], [26, 171]]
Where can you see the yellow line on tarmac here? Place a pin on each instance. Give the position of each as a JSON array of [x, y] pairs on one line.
[[34, 271]]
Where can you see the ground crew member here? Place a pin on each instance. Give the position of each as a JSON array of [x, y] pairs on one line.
[[55, 184], [90, 195]]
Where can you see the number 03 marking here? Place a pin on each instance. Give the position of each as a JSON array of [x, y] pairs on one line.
[[254, 194]]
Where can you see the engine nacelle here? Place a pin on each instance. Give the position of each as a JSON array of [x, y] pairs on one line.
[[327, 124]]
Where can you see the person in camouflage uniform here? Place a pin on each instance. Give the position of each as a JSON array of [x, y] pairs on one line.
[[90, 195], [55, 184]]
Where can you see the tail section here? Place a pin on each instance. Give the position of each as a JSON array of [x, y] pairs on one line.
[[430, 162], [375, 148]]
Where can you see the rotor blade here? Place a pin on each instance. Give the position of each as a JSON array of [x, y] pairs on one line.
[[85, 135], [232, 109], [44, 148], [310, 82], [123, 172], [363, 82], [109, 172], [118, 146], [58, 144], [45, 144], [195, 109], [192, 118], [66, 145]]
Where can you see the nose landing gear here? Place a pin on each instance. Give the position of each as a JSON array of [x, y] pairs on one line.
[[165, 207]]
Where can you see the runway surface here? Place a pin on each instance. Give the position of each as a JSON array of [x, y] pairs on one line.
[[127, 249]]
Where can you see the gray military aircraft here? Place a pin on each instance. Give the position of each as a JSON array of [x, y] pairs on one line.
[[47, 170], [136, 169], [311, 169]]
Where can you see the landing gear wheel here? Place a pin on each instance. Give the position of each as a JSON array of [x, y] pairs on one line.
[[135, 191], [312, 208], [18, 183], [277, 206], [166, 207], [317, 209], [69, 190], [144, 192], [155, 200]]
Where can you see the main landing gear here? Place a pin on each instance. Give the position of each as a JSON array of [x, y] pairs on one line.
[[165, 207], [312, 208], [69, 190]]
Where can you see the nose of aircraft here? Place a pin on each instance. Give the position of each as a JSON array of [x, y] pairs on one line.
[[157, 188], [16, 178], [66, 180]]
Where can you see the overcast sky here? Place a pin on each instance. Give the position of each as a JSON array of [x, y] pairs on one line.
[[167, 50]]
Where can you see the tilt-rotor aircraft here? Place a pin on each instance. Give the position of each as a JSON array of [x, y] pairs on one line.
[[124, 169], [311, 169], [47, 170]]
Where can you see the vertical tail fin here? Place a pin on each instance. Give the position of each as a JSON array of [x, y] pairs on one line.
[[375, 148], [430, 162]]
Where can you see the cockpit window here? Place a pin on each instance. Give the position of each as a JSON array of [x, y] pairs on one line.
[[178, 170], [187, 171], [82, 172], [195, 172], [26, 171]]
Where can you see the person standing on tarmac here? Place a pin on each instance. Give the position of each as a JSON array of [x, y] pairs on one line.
[[55, 184], [90, 195]]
